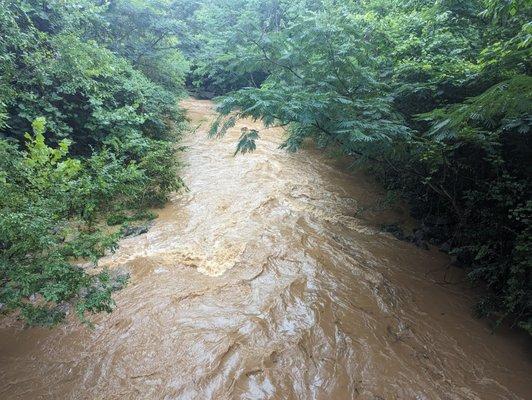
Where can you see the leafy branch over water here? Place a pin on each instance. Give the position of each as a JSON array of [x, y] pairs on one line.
[[433, 97]]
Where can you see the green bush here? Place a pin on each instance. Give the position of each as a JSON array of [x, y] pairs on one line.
[[42, 234], [109, 149], [433, 97]]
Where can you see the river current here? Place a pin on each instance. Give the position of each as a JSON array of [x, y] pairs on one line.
[[270, 279]]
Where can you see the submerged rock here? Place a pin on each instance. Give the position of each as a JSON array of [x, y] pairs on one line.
[[395, 230], [445, 247], [135, 230], [64, 308], [419, 239]]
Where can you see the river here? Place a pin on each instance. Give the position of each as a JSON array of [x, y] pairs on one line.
[[269, 279]]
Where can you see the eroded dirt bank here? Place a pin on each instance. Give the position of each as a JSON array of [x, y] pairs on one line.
[[262, 282]]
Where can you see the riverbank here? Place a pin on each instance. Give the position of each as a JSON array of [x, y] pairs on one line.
[[263, 282]]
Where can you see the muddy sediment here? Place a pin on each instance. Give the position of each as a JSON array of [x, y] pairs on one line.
[[264, 282]]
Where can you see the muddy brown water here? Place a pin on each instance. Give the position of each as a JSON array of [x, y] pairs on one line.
[[265, 282]]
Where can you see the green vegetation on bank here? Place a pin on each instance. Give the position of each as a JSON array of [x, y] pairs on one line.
[[434, 97], [88, 130]]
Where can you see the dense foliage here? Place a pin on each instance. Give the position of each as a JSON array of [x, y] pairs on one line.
[[88, 124], [433, 97]]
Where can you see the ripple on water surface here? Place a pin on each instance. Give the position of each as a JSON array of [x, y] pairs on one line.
[[266, 281]]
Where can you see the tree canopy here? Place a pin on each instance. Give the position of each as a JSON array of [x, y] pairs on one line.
[[88, 124], [432, 97]]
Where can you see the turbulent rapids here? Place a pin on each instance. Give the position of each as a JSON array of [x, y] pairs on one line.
[[269, 279]]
